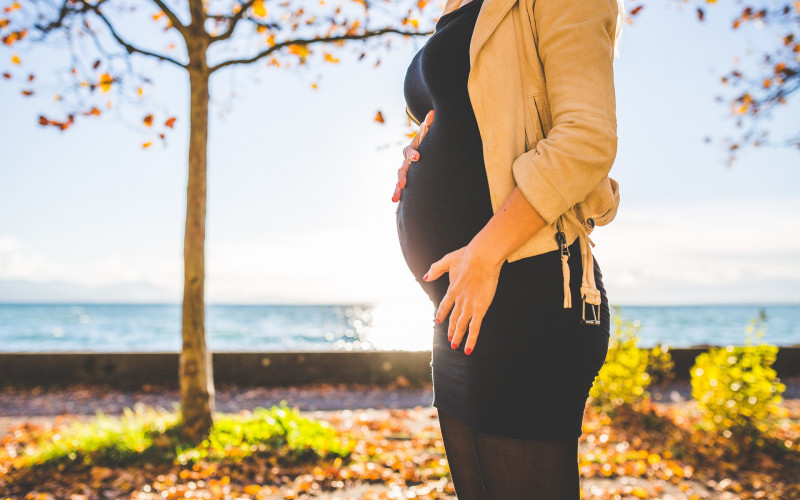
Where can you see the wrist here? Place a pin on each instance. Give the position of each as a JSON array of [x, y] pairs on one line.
[[486, 250]]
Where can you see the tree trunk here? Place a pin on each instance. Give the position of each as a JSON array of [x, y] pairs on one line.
[[196, 372]]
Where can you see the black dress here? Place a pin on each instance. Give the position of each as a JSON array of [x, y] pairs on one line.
[[534, 362]]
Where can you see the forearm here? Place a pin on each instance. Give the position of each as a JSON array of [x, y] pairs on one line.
[[515, 222]]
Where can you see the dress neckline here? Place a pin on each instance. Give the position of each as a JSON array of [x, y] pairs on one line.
[[460, 8]]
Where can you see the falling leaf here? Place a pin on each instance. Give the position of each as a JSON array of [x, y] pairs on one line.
[[379, 118], [330, 58], [148, 120], [27, 92], [170, 122], [636, 10], [15, 59], [700, 14], [146, 144], [139, 91]]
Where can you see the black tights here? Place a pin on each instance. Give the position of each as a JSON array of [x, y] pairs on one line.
[[490, 467]]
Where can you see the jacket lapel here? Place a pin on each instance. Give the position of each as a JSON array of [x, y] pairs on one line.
[[490, 15]]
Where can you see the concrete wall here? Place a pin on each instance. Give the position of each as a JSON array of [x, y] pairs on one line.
[[132, 370]]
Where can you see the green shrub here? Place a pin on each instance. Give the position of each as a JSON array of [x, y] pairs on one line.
[[736, 386], [660, 365], [623, 379], [150, 435]]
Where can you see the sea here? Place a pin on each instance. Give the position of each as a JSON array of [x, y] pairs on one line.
[[405, 326]]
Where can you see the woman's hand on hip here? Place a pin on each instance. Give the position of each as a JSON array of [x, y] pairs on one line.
[[473, 283], [410, 154]]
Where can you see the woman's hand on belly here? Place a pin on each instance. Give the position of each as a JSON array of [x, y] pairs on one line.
[[473, 283], [411, 154]]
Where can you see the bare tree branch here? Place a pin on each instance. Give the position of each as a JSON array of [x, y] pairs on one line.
[[171, 15], [233, 20], [128, 46], [278, 46], [198, 13]]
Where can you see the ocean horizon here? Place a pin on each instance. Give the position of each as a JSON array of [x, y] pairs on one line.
[[399, 325]]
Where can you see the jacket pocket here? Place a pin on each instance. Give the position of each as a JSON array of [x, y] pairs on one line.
[[543, 113]]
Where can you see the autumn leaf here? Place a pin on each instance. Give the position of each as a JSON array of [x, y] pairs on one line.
[[105, 82], [170, 122], [379, 118], [259, 9], [636, 10], [299, 50], [146, 144], [331, 58], [148, 120], [15, 59]]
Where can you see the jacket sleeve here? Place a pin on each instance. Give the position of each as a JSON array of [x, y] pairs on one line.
[[576, 51]]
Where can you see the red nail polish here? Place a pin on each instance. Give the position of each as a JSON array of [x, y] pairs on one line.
[[425, 278], [453, 345], [437, 320], [468, 350]]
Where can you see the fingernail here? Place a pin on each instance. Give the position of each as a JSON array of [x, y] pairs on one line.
[[415, 157], [437, 320], [425, 278], [453, 345], [450, 337], [468, 350]]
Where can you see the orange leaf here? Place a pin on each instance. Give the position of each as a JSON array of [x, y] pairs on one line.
[[259, 9], [146, 144], [15, 59], [27, 92], [3, 23], [148, 120], [170, 122], [379, 118], [636, 9], [105, 82], [330, 58]]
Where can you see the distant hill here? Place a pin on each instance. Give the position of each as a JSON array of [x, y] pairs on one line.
[[63, 291]]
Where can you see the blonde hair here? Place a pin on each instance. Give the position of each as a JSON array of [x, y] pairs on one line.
[[622, 16]]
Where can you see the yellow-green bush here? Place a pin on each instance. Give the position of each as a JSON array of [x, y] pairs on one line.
[[624, 377], [736, 386]]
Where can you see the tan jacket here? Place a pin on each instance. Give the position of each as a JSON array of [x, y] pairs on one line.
[[547, 114]]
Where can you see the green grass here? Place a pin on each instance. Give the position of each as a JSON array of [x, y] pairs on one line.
[[147, 435]]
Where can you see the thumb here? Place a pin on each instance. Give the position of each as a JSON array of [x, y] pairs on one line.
[[438, 268]]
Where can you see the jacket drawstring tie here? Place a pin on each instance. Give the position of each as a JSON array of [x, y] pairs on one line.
[[589, 293]]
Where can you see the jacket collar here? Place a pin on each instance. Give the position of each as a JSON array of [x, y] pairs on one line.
[[489, 17]]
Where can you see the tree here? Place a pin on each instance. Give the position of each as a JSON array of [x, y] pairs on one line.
[[212, 32], [775, 80]]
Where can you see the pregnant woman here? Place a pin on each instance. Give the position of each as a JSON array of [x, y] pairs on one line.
[[497, 194]]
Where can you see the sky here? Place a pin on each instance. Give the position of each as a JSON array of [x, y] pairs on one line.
[[300, 183]]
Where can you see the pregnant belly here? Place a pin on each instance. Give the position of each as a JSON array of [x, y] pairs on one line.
[[445, 202]]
